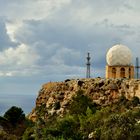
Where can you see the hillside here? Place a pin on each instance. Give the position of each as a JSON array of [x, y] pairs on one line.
[[78, 109], [54, 98]]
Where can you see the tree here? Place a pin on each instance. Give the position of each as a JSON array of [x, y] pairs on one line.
[[14, 115]]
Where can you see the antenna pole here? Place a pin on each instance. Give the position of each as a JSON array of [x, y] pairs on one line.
[[88, 66], [137, 67]]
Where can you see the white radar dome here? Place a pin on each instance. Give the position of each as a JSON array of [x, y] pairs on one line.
[[119, 55]]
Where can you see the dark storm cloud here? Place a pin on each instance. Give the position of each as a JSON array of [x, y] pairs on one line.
[[69, 43]]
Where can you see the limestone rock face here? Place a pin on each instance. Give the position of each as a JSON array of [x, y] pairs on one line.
[[56, 96]]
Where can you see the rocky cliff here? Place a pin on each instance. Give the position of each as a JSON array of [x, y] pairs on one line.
[[55, 97]]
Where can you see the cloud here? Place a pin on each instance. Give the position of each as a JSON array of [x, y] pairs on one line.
[[65, 32], [20, 56], [5, 41], [30, 9], [13, 60]]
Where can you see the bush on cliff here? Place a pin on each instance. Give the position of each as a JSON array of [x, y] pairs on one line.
[[80, 104]]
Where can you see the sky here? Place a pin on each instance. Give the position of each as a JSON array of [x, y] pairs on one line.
[[48, 40]]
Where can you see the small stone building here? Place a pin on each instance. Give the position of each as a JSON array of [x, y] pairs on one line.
[[119, 62]]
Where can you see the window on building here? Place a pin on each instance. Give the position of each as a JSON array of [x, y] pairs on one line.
[[122, 72], [113, 72], [129, 72]]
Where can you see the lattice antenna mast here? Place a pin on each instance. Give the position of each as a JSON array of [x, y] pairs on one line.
[[137, 67], [88, 66]]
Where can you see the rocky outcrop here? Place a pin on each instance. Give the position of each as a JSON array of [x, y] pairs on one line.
[[56, 96]]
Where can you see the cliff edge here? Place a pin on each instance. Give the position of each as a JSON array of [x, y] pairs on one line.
[[55, 97]]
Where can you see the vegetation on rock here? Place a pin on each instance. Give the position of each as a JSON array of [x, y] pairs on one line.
[[86, 120]]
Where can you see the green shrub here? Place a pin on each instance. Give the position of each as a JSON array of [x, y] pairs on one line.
[[69, 127], [29, 134], [135, 101], [80, 104], [6, 136]]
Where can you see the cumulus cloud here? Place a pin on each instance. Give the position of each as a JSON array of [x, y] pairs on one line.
[[21, 55], [16, 59]]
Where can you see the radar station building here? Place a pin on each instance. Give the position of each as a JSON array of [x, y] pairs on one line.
[[119, 62]]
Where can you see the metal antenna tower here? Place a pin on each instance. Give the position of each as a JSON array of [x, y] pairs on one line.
[[137, 67], [88, 65]]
